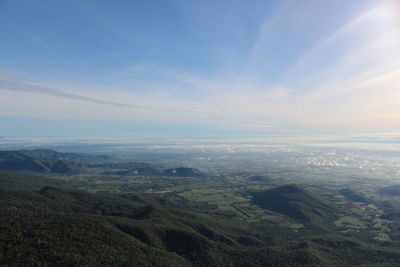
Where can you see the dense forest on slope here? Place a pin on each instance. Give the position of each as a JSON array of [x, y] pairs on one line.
[[53, 226]]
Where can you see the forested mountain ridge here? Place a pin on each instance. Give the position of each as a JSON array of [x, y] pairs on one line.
[[57, 226], [50, 161], [44, 161]]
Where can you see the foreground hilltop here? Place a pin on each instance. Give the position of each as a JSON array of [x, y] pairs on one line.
[[57, 226]]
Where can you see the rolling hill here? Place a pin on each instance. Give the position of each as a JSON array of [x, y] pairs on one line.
[[65, 167], [353, 195], [393, 190], [11, 181], [44, 161], [296, 203]]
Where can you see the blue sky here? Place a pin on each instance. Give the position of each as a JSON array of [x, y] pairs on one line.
[[198, 68]]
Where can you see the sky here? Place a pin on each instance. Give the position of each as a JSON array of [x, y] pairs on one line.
[[201, 69]]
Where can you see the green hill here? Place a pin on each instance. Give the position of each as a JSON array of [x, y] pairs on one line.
[[354, 196], [12, 181], [393, 190], [297, 203], [44, 161], [65, 167], [25, 164]]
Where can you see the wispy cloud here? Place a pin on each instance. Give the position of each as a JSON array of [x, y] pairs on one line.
[[266, 29], [22, 86], [368, 38], [38, 40], [25, 86]]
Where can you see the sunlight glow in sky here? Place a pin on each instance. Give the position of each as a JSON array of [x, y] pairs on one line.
[[198, 68]]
